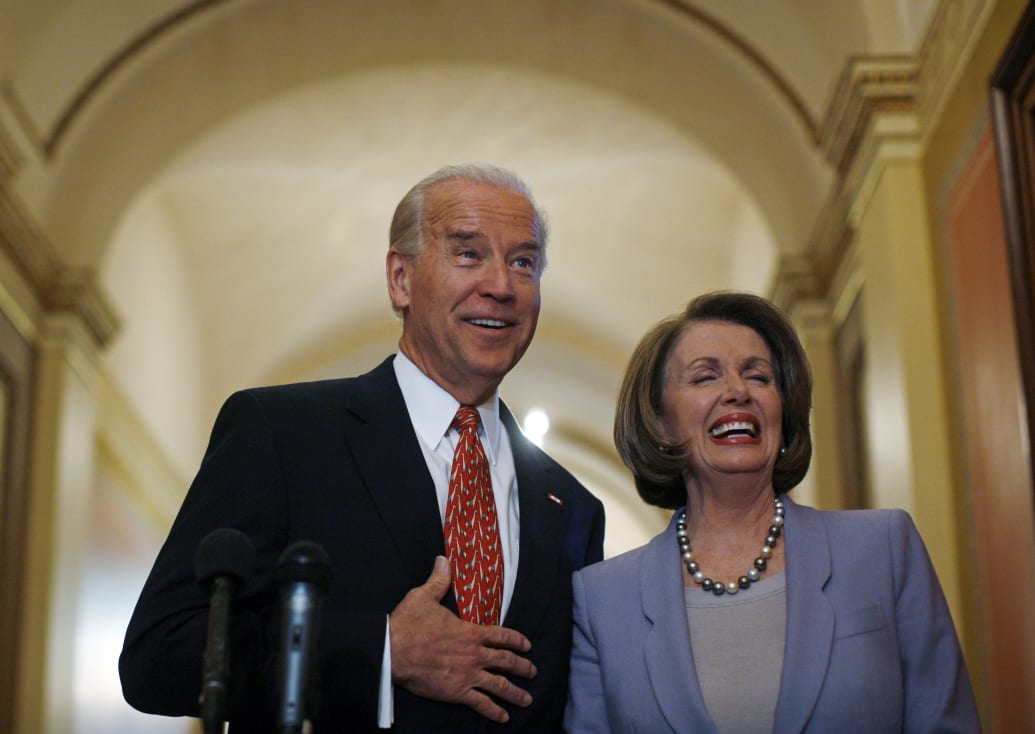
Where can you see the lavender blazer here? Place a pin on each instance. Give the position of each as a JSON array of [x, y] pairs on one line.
[[870, 644]]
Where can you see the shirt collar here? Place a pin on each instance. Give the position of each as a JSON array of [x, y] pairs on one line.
[[432, 409]]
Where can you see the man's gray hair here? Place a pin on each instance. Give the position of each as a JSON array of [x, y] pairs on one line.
[[406, 234]]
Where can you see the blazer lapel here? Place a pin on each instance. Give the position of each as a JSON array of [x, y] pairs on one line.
[[543, 522], [667, 648], [386, 451], [810, 619]]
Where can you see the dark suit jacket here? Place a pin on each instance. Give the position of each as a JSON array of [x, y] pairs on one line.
[[870, 645], [337, 462]]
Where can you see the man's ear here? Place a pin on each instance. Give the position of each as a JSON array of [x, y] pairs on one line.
[[398, 268]]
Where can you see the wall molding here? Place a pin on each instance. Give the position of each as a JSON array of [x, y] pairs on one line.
[[55, 286], [882, 106]]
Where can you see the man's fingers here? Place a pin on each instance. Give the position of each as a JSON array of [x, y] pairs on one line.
[[503, 689], [505, 638], [438, 656], [485, 706], [504, 661], [440, 579]]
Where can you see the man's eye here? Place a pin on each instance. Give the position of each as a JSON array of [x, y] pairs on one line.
[[525, 262], [468, 254]]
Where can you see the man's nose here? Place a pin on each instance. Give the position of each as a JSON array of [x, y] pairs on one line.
[[498, 281]]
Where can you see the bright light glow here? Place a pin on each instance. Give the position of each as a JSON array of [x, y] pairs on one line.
[[537, 423]]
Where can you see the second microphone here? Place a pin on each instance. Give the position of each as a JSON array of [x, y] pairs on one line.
[[303, 575]]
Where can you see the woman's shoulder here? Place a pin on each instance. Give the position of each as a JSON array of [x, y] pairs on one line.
[[625, 565], [885, 527], [862, 520]]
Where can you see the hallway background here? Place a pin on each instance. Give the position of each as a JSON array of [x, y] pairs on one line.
[[195, 197]]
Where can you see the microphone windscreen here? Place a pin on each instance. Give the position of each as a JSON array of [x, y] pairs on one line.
[[224, 552], [305, 562]]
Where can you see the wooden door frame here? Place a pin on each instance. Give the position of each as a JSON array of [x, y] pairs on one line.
[[1013, 120]]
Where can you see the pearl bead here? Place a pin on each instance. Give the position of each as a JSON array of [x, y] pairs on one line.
[[699, 577], [732, 587], [743, 582], [754, 575], [778, 521], [692, 567], [767, 552]]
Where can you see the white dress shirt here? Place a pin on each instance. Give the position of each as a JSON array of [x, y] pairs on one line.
[[432, 410]]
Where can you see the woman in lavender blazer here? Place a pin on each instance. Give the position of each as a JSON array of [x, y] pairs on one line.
[[751, 613]]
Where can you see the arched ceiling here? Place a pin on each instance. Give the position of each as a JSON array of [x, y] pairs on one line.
[[230, 167]]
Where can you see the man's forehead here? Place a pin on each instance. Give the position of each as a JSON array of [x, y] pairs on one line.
[[464, 203]]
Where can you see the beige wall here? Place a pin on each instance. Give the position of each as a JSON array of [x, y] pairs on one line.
[[905, 390]]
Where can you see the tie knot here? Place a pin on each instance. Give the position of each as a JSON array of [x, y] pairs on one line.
[[465, 419]]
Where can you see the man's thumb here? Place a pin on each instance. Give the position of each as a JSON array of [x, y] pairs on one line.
[[440, 579]]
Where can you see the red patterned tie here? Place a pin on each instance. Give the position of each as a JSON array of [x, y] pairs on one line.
[[472, 533]]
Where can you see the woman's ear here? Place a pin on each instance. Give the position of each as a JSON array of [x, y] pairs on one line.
[[664, 434]]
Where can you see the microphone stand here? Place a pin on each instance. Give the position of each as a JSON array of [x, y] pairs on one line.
[[216, 670], [224, 560], [304, 574]]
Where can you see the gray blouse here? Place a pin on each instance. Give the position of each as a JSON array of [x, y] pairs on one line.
[[737, 641]]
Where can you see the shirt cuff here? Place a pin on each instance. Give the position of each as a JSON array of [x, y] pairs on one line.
[[385, 700]]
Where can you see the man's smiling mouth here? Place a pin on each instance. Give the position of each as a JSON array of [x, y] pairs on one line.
[[488, 323]]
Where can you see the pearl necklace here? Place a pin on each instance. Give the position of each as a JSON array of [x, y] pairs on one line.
[[717, 587]]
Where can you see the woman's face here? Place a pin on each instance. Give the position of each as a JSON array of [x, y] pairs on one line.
[[720, 398]]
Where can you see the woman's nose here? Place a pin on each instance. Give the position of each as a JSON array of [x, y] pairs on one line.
[[736, 390]]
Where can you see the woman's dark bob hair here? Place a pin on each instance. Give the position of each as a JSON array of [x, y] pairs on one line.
[[657, 465]]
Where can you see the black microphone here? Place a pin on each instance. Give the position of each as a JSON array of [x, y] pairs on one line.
[[304, 574], [224, 561]]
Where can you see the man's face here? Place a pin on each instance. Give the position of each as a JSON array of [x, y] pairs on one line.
[[471, 298]]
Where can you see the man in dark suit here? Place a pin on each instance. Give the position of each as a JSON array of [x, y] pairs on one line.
[[362, 467]]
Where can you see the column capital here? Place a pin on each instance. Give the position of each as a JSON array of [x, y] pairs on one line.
[[54, 286]]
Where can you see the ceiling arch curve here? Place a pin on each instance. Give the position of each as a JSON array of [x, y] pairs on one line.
[[224, 57], [278, 220]]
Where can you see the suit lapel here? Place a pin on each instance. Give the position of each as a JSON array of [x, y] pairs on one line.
[[380, 435], [667, 651], [810, 619], [542, 527]]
